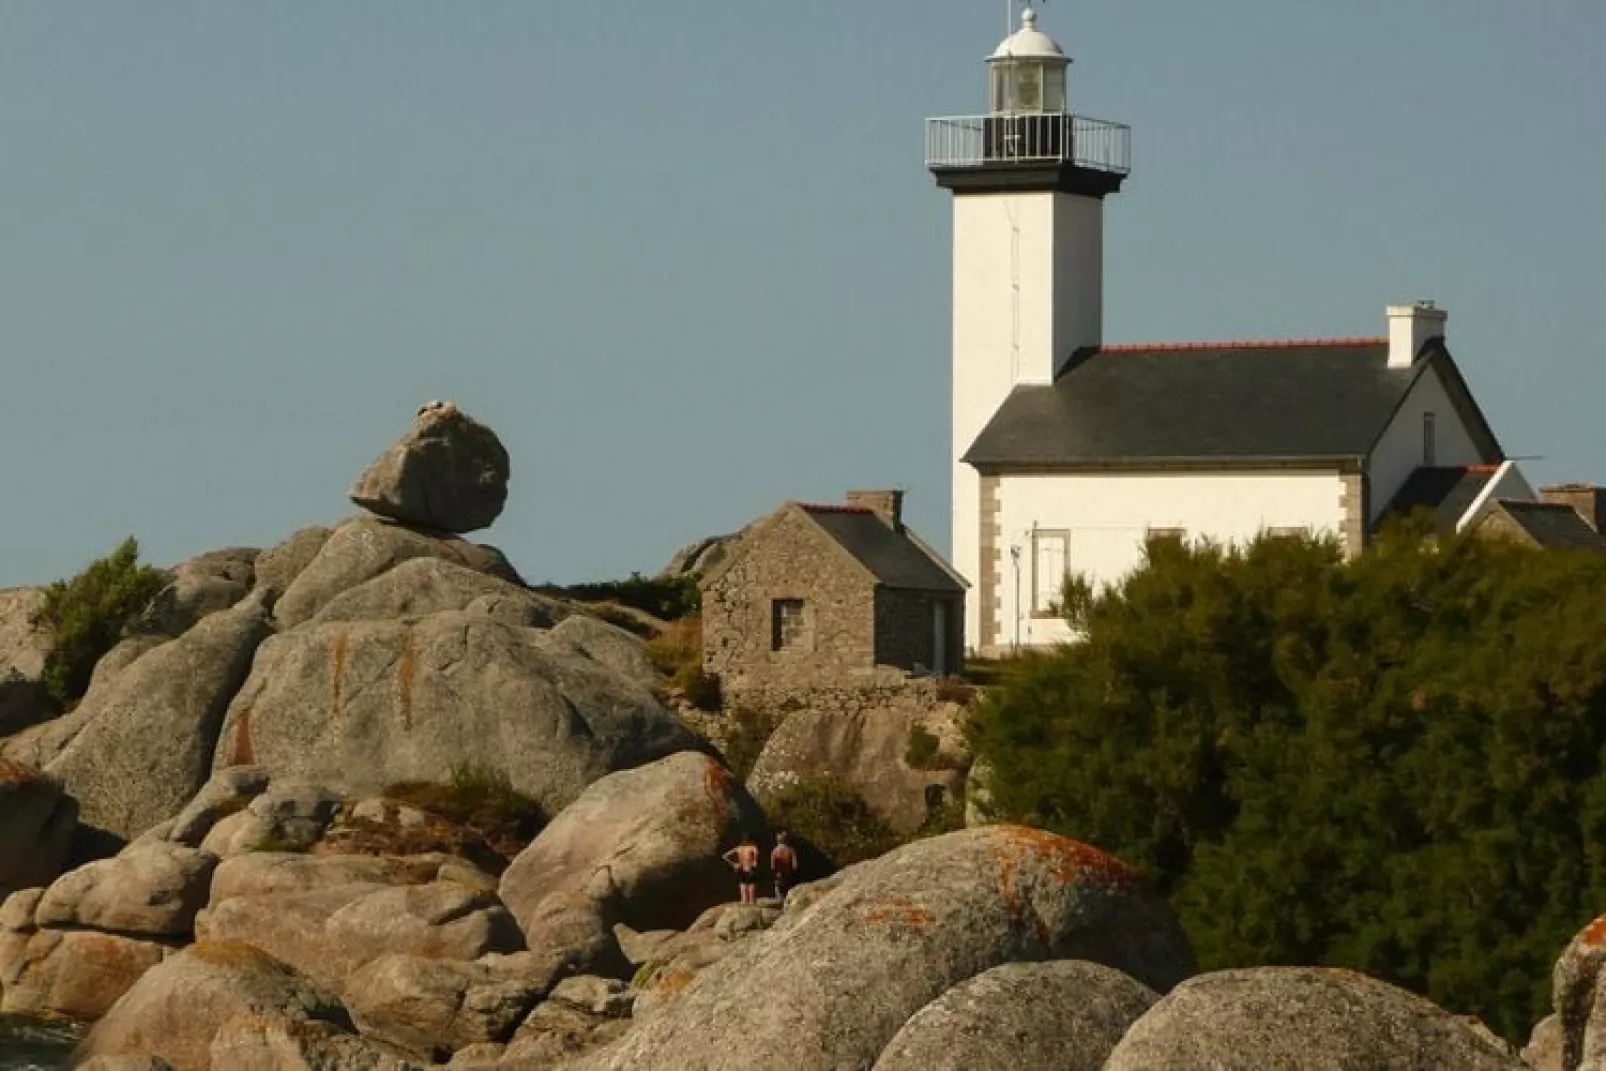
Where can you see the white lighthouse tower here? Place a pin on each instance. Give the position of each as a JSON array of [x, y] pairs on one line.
[[1029, 180]]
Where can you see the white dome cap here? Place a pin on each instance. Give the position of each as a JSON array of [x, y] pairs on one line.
[[1029, 42]]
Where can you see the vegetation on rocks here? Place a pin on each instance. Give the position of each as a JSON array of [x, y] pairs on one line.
[[1393, 764], [666, 598], [677, 652], [832, 822], [477, 816], [749, 730], [89, 614]]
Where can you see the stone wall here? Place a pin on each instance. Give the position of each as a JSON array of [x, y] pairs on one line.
[[788, 557]]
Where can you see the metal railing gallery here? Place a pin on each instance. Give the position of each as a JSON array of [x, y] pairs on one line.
[[977, 140]]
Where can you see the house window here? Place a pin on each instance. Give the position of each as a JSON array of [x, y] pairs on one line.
[[787, 630], [1293, 531], [1428, 451], [1176, 535], [1050, 559]]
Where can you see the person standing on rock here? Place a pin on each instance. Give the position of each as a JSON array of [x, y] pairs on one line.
[[744, 860], [783, 864]]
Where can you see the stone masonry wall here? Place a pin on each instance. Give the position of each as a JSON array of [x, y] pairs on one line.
[[789, 557], [905, 629]]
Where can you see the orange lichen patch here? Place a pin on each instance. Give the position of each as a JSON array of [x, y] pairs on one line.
[[406, 665], [897, 909], [234, 954], [720, 784], [1065, 860], [671, 982], [337, 672], [19, 773], [1594, 934], [244, 752]]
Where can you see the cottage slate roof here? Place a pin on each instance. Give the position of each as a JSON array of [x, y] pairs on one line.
[[1327, 400], [1448, 491], [1554, 525], [898, 559]]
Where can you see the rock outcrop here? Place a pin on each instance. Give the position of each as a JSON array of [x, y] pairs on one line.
[[1575, 990], [641, 847], [178, 1007], [24, 646], [36, 827], [866, 747], [146, 740], [1306, 1017], [199, 586], [1063, 1015], [831, 985], [362, 548], [359, 706], [449, 472], [419, 587]]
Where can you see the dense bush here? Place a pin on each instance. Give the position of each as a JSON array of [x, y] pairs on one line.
[[88, 615], [1392, 764], [749, 731], [666, 598]]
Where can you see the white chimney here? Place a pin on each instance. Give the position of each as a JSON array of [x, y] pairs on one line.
[[1410, 328]]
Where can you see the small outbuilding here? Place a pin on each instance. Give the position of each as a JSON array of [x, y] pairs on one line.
[[817, 595]]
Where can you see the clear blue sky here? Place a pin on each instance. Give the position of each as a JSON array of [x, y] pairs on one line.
[[684, 257]]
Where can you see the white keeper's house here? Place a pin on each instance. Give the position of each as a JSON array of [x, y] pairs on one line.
[[1068, 453]]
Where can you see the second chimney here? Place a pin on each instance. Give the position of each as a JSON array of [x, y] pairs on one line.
[[1410, 328], [888, 505]]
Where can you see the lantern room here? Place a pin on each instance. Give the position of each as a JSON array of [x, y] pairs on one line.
[[1027, 72]]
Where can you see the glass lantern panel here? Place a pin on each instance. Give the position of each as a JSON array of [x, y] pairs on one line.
[[1054, 90], [999, 91], [1028, 87]]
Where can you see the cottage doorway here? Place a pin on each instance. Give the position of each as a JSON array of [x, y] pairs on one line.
[[939, 639]]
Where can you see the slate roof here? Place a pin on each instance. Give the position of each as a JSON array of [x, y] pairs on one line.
[[1554, 525], [1448, 491], [1304, 400], [897, 559]]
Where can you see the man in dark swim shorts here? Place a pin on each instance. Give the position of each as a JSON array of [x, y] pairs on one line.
[[744, 860]]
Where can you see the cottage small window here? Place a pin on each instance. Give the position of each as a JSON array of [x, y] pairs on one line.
[[787, 629], [1050, 561], [1428, 446]]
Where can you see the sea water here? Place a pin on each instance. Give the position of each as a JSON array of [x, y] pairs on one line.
[[35, 1044]]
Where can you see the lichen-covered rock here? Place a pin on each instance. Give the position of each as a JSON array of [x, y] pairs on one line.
[[1062, 1015], [419, 587], [556, 1033], [273, 873], [202, 585], [640, 847], [146, 744], [120, 657], [830, 986], [433, 1008], [610, 645], [151, 888], [1544, 1049], [267, 1043], [328, 933], [1575, 991], [37, 820], [228, 792], [867, 747], [1307, 1017], [277, 567], [360, 706], [177, 1007], [448, 472], [366, 547], [74, 974]]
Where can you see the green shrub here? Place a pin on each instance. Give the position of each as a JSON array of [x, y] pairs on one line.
[[678, 645], [89, 614], [666, 598], [701, 689], [481, 800], [749, 731], [827, 815], [1393, 764]]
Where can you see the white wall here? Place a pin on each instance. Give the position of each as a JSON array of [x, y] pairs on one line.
[[1108, 516], [1399, 451], [1027, 291]]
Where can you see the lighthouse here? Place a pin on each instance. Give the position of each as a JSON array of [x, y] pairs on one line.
[[1029, 179]]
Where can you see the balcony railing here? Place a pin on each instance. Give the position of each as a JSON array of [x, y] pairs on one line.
[[985, 140]]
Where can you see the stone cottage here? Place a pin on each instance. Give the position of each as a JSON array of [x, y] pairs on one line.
[[831, 596]]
